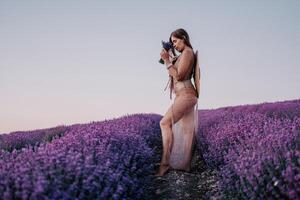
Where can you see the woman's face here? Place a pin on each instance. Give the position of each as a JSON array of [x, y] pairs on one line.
[[178, 44]]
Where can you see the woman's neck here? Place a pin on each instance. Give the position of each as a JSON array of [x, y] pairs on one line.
[[185, 48]]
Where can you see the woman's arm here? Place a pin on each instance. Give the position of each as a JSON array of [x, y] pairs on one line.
[[184, 64]]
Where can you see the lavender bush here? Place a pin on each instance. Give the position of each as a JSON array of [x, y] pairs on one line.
[[255, 148], [100, 160], [20, 139]]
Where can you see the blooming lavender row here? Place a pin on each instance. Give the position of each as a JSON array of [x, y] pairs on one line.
[[20, 139], [255, 148], [100, 160]]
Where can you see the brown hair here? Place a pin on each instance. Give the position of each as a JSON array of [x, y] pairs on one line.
[[181, 34]]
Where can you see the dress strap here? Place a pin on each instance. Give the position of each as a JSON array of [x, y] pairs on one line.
[[171, 85], [167, 84]]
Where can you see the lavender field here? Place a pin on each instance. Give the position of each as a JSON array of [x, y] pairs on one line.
[[254, 148]]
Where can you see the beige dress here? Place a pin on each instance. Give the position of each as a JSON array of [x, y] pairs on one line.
[[184, 120]]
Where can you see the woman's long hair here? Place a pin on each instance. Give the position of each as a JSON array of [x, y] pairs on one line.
[[181, 34]]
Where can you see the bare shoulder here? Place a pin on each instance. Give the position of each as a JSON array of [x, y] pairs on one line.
[[186, 56], [188, 53]]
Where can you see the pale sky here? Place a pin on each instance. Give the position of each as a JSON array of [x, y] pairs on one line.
[[66, 62]]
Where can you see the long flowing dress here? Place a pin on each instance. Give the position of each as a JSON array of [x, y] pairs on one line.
[[184, 120]]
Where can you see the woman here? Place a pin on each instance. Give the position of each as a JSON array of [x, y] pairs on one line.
[[180, 122]]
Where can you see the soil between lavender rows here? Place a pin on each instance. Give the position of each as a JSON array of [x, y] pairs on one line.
[[200, 183]]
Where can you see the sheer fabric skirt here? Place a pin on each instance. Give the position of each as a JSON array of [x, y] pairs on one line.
[[184, 128]]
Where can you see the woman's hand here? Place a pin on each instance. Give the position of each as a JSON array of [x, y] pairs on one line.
[[165, 56], [174, 59]]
